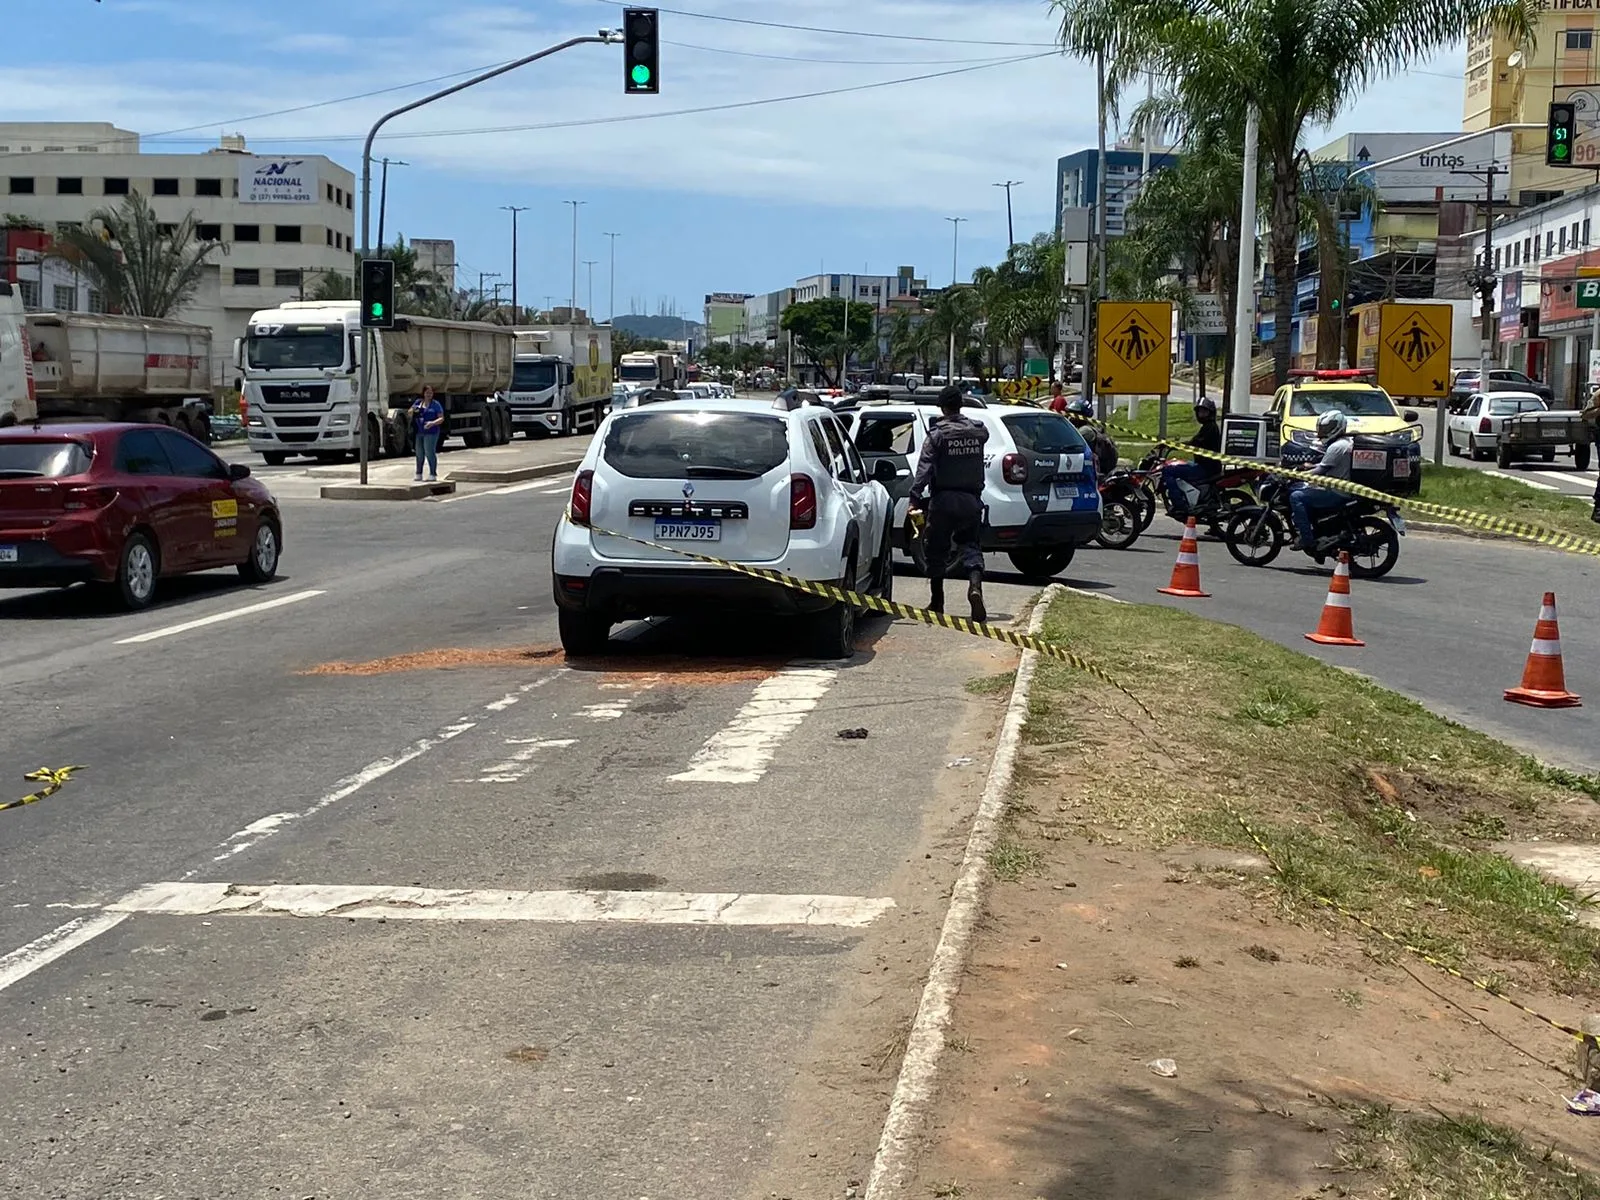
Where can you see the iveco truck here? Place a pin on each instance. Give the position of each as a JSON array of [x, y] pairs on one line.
[[301, 364], [560, 380]]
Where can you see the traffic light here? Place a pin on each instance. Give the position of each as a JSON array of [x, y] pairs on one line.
[[377, 293], [1335, 304], [641, 34], [1562, 134]]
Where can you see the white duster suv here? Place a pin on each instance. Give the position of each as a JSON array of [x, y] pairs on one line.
[[774, 484]]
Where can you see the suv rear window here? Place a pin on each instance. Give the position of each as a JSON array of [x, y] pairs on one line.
[[1044, 433], [689, 445], [43, 460]]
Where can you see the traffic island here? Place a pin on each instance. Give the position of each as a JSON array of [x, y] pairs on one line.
[[514, 474], [387, 491]]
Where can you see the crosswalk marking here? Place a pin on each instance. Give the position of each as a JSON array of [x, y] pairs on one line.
[[741, 752], [1579, 480], [1525, 481]]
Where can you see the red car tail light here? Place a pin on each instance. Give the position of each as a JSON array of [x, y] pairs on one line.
[[802, 502], [88, 499], [582, 494], [1484, 426], [1014, 469]]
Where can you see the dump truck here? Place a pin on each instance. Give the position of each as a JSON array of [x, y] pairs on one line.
[[301, 366], [560, 379], [71, 366], [646, 369]]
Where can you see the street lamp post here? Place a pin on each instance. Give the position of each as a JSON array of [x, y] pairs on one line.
[[611, 306], [955, 247], [514, 210], [574, 301], [602, 38], [1011, 235], [590, 263], [383, 194]]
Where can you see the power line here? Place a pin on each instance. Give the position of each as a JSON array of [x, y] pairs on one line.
[[895, 37], [676, 112], [843, 62]]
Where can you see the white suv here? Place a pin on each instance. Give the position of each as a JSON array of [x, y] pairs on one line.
[[774, 484], [1041, 500]]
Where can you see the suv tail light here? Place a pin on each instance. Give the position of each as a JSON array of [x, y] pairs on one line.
[[582, 493], [802, 502], [1484, 426], [1014, 469], [81, 499]]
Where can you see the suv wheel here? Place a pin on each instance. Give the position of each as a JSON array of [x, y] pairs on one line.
[[833, 631], [1042, 564], [583, 635]]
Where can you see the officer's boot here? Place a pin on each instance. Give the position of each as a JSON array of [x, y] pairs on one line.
[[975, 596], [936, 594]]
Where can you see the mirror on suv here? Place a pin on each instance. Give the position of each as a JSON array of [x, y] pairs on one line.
[[885, 471]]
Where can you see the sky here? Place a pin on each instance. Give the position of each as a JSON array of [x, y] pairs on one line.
[[744, 199]]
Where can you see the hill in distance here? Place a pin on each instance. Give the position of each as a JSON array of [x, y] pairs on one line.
[[668, 329]]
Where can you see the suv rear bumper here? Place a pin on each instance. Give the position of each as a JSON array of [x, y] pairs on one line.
[[625, 593], [1044, 529]]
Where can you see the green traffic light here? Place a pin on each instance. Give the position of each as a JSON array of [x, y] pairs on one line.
[[377, 308], [641, 75], [1559, 150]]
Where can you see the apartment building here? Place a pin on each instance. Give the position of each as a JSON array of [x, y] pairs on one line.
[[283, 221]]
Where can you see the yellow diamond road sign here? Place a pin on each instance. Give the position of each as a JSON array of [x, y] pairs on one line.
[[1133, 350], [1414, 350]]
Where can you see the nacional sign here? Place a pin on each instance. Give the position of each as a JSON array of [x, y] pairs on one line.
[[278, 181]]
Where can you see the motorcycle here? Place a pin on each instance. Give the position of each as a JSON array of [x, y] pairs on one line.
[[1211, 503], [1368, 530], [1126, 510]]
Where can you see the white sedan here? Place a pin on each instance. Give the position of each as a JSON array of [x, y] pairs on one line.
[[1475, 430]]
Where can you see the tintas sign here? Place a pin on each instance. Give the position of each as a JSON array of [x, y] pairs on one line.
[[277, 181]]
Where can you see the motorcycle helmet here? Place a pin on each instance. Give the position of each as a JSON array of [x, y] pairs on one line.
[[1332, 424], [1205, 409], [1078, 410]]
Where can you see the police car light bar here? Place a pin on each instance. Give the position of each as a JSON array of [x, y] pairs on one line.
[[1344, 373]]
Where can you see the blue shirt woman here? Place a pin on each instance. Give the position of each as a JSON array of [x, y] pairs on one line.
[[427, 423]]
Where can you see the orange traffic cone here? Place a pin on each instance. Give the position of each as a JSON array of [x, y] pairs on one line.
[[1544, 683], [1336, 627], [1186, 571]]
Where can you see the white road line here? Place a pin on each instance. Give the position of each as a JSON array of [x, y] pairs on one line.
[[43, 951], [611, 710], [521, 761], [914, 1090], [742, 752], [436, 904], [1522, 479], [1586, 484], [218, 618], [512, 489]]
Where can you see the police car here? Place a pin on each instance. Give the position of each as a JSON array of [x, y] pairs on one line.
[[1040, 497], [1387, 450], [771, 483]]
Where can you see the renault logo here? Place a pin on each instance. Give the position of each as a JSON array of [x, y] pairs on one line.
[[688, 490]]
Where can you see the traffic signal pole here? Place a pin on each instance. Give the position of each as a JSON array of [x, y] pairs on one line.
[[602, 38]]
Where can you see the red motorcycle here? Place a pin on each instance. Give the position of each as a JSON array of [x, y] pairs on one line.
[[1212, 503]]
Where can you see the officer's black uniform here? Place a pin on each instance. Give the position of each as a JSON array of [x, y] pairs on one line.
[[950, 473]]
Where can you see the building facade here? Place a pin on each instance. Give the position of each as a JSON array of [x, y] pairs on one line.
[[1078, 182], [282, 221], [439, 256], [726, 319]]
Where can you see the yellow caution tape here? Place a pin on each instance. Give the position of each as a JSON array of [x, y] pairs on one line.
[[54, 778], [1525, 530], [1482, 985], [907, 612]]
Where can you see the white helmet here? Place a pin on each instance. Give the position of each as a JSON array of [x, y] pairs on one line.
[[1332, 424]]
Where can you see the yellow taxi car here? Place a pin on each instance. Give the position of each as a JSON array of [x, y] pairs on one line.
[[1388, 446]]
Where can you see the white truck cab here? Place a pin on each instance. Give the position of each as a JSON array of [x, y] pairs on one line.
[[301, 367]]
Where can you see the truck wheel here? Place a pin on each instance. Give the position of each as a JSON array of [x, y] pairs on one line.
[[374, 440], [506, 431], [1580, 456], [583, 634], [274, 458], [1503, 458]]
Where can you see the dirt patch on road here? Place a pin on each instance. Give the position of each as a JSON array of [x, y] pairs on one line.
[[1134, 921], [445, 660], [677, 669]]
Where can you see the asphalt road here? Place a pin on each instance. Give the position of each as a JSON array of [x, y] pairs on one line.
[[1558, 476]]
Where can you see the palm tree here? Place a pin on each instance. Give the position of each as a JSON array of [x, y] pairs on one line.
[[1297, 63], [956, 312], [140, 266]]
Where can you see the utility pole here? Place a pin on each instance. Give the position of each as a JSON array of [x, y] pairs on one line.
[[590, 263], [1011, 235], [611, 305], [574, 301], [955, 246], [1482, 278], [514, 210], [1244, 296], [383, 195], [603, 38], [1091, 382]]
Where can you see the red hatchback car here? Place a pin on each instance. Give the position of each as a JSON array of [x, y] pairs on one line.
[[124, 505]]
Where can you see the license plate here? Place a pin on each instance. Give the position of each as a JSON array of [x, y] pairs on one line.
[[688, 531], [1066, 491], [1370, 460], [1402, 468], [1398, 522], [8, 554]]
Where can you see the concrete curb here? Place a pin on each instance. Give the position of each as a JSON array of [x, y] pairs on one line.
[[914, 1091], [386, 491], [1444, 529], [513, 474]]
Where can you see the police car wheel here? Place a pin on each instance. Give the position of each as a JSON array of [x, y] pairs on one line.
[[1042, 564]]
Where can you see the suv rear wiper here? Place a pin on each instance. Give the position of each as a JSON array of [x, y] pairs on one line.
[[720, 473]]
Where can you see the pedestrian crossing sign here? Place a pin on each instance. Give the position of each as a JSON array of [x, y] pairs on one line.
[[1133, 348], [1414, 350]]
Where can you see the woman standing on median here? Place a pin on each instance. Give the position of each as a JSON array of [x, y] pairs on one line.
[[427, 421]]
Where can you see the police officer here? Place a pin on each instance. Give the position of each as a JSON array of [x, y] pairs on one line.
[[949, 483]]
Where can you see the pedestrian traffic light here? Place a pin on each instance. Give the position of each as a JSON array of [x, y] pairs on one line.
[[641, 41], [377, 293], [1562, 135]]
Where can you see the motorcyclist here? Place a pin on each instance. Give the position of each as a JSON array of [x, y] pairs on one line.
[[1305, 500], [1100, 444], [1202, 470]]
